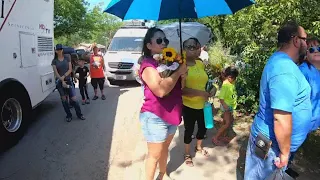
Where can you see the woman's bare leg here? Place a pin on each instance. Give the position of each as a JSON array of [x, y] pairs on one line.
[[164, 156], [154, 154]]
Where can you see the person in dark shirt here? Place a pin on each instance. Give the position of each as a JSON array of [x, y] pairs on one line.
[[82, 74], [62, 68]]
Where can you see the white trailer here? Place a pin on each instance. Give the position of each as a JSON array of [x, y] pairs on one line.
[[26, 52]]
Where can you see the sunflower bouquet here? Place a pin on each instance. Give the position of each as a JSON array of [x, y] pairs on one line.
[[169, 61]]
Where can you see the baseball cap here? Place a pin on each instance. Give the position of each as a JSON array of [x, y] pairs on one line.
[[59, 47]]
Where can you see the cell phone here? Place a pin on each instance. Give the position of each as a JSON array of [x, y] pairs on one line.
[[262, 146]]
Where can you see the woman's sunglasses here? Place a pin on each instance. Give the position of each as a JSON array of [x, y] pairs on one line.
[[313, 49], [192, 48], [160, 40]]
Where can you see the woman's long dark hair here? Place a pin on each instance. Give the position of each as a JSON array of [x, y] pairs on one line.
[[55, 55], [147, 39]]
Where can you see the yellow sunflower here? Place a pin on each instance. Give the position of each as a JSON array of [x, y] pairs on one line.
[[169, 54]]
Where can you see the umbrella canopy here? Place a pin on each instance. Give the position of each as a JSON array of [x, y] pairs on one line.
[[173, 9], [188, 30]]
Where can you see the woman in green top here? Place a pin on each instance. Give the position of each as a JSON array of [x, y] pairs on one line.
[[228, 100]]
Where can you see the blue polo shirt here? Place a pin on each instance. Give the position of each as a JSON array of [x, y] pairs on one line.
[[283, 87], [312, 75]]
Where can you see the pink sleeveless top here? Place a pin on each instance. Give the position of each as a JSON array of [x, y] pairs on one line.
[[167, 108]]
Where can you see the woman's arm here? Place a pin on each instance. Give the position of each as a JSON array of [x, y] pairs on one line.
[[103, 65], [69, 71], [161, 86], [225, 106], [56, 71]]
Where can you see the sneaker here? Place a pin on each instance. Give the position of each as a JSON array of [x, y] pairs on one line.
[[68, 119], [103, 97], [83, 102], [87, 101], [82, 117], [95, 97]]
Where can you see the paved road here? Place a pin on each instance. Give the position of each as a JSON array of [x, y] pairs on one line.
[[98, 148]]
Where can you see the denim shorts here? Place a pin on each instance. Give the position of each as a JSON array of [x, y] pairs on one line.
[[154, 129], [230, 109]]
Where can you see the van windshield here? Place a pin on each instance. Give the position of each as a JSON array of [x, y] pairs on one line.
[[126, 44]]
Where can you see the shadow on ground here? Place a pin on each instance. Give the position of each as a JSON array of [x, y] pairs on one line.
[[54, 149]]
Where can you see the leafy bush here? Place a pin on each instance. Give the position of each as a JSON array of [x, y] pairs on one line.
[[219, 58], [251, 35]]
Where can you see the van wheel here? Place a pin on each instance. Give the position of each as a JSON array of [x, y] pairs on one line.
[[15, 110]]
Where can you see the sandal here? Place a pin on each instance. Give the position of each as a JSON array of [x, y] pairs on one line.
[[188, 160], [217, 142], [204, 152]]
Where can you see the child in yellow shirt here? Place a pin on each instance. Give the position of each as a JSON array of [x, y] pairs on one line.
[[228, 100]]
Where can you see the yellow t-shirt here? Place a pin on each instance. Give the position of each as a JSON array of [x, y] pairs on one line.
[[197, 78], [228, 94]]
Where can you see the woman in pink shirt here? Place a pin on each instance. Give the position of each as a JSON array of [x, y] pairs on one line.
[[161, 110]]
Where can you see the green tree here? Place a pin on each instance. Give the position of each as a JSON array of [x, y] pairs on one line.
[[68, 16], [99, 26], [95, 26]]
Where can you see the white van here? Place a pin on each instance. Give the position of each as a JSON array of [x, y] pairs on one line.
[[123, 53]]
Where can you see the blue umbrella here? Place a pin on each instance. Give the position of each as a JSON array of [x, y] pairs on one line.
[[173, 9]]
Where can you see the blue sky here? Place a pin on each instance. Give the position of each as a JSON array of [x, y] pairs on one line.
[[95, 2]]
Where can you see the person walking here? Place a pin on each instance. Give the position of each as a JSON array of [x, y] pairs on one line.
[[62, 69], [284, 117], [194, 97], [82, 74], [161, 111], [97, 68], [228, 101]]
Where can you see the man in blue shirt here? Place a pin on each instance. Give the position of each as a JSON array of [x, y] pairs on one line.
[[284, 115]]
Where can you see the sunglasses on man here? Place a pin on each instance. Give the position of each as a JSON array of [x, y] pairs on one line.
[[313, 49], [161, 40]]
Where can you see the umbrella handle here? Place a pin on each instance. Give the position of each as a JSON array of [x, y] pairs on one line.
[[180, 36]]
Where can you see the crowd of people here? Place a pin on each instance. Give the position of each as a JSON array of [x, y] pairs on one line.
[[167, 103], [66, 75], [289, 107]]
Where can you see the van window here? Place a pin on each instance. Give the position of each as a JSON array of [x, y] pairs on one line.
[[126, 44]]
